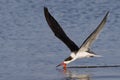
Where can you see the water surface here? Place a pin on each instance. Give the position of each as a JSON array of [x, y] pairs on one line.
[[30, 51]]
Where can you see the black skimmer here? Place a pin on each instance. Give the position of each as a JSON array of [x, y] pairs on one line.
[[76, 52]]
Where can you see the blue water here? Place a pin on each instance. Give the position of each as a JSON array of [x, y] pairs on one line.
[[30, 51]]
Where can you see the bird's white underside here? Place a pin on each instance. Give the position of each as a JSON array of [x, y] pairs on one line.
[[80, 55]]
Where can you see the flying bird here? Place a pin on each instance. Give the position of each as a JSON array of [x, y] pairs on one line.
[[76, 52]]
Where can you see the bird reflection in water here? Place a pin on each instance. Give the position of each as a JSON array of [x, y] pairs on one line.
[[73, 75]]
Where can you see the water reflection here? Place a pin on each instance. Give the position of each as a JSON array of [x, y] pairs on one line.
[[91, 72], [74, 75]]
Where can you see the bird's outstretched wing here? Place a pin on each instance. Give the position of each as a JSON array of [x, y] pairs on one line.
[[87, 43], [58, 31]]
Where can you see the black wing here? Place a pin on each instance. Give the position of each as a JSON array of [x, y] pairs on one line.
[[87, 43], [58, 31]]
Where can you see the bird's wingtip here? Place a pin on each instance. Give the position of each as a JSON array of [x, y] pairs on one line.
[[45, 8], [107, 13]]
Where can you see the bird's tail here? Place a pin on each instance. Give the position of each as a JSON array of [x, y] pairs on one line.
[[94, 55], [97, 55]]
